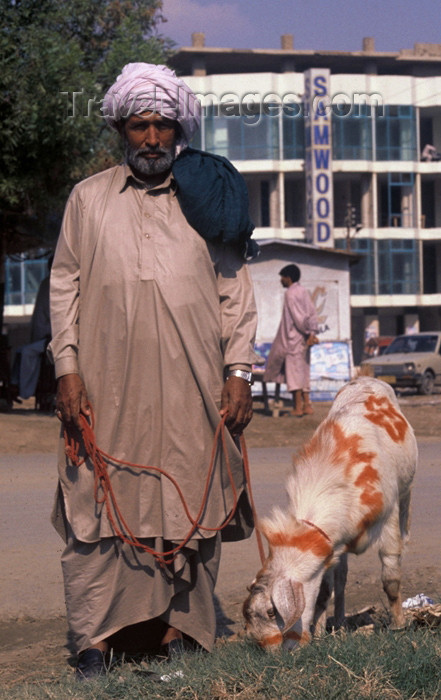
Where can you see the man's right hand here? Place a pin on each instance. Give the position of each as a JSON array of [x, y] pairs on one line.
[[71, 400]]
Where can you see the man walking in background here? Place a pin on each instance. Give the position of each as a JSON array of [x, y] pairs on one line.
[[288, 360]]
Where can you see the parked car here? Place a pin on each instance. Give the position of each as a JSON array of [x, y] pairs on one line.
[[376, 345], [410, 361]]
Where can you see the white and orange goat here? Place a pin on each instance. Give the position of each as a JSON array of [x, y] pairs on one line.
[[350, 486]]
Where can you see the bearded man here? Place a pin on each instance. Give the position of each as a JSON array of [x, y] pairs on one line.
[[153, 322]]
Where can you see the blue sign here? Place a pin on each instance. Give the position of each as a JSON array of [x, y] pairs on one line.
[[331, 364]]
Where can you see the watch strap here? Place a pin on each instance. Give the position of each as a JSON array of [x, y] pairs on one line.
[[248, 376]]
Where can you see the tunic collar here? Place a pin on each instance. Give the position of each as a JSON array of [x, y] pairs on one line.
[[130, 180]]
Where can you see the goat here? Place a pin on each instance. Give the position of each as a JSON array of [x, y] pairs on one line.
[[350, 486]]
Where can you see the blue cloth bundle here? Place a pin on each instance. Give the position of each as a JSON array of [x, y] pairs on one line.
[[214, 199]]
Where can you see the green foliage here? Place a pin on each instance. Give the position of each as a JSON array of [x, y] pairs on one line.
[[50, 49]]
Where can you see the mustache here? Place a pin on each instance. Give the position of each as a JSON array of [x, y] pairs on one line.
[[151, 150]]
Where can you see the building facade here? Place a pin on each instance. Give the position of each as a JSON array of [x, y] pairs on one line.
[[342, 150]]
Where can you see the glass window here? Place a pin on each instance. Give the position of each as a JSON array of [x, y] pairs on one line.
[[293, 128], [362, 272], [23, 279], [242, 137], [396, 132], [216, 132], [264, 203], [196, 141], [413, 343], [352, 132], [398, 267], [295, 201], [13, 283]]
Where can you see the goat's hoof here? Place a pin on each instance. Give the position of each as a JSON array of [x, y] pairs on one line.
[[397, 627]]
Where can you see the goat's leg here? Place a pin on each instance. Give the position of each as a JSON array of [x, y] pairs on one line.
[[340, 576], [390, 555], [404, 516], [321, 605]]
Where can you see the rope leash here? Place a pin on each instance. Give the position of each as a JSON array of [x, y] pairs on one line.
[[99, 460], [246, 468]]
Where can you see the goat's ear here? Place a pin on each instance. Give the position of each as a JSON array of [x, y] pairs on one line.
[[289, 600]]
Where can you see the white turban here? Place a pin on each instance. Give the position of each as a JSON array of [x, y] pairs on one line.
[[145, 87]]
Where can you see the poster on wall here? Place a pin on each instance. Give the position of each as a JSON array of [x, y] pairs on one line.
[[327, 296], [331, 367]]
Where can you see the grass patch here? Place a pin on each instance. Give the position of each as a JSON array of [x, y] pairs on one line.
[[383, 665]]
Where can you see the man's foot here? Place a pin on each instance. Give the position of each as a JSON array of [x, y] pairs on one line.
[[176, 647], [297, 396], [307, 405], [91, 663]]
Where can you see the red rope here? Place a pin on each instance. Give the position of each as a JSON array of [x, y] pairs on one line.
[[117, 521], [246, 468]]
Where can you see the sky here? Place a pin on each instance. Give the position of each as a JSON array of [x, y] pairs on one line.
[[329, 25]]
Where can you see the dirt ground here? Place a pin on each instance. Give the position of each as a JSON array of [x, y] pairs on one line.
[[24, 430], [32, 645]]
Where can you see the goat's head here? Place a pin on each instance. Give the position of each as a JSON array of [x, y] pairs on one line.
[[279, 608], [274, 605]]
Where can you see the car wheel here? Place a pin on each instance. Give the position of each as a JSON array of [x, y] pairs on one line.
[[427, 384]]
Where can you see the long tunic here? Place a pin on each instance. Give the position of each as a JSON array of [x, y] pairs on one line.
[[288, 360], [149, 314]]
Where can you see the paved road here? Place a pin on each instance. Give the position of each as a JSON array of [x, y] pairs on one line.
[[30, 577]]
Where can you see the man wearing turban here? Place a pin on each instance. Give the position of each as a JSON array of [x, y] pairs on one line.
[[153, 323]]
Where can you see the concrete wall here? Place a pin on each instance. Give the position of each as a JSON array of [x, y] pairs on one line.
[[324, 274], [257, 87]]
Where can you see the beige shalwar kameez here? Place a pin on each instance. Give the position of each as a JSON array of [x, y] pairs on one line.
[[149, 314], [288, 359]]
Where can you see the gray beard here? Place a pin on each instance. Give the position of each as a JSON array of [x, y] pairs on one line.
[[146, 166]]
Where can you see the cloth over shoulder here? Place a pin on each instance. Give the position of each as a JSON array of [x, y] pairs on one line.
[[214, 199]]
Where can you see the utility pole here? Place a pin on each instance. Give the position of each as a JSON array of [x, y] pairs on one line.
[[351, 223]]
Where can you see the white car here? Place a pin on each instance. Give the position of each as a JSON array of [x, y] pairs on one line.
[[410, 361]]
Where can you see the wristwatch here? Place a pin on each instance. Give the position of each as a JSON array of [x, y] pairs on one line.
[[248, 376]]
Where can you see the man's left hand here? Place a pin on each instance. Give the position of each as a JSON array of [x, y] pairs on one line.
[[312, 340], [237, 403]]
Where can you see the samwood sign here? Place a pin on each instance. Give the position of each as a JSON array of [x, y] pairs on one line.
[[318, 158]]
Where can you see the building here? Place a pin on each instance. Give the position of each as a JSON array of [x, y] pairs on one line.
[[334, 149]]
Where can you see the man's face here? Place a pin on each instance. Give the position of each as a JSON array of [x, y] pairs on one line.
[[285, 281], [149, 141]]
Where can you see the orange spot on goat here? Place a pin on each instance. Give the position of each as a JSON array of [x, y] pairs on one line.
[[292, 634], [370, 497], [367, 480], [345, 449], [382, 413], [278, 638], [310, 541], [270, 641], [303, 638]]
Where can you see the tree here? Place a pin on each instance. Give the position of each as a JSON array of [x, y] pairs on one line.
[[57, 58]]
